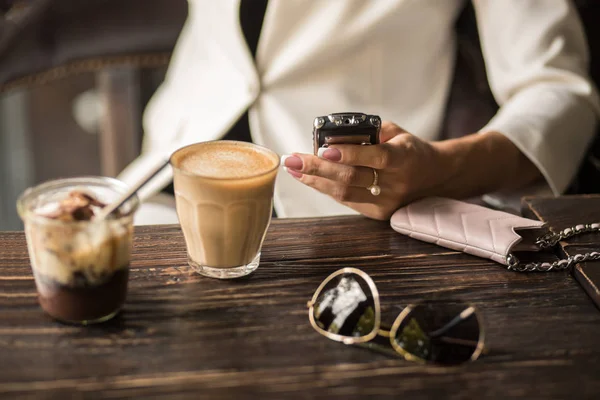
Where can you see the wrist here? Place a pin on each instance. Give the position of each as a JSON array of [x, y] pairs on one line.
[[451, 155], [482, 163]]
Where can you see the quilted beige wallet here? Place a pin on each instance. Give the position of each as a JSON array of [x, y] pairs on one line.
[[466, 227]]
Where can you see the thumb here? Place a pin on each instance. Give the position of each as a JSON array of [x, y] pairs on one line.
[[388, 131]]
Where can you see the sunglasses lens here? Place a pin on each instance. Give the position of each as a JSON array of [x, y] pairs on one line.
[[345, 307], [445, 333]]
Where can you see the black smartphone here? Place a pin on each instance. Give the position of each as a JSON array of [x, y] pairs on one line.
[[345, 128]]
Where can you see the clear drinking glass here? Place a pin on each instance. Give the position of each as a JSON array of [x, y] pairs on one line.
[[224, 198], [81, 268]]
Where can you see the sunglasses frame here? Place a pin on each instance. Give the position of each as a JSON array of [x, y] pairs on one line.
[[342, 338], [391, 334]]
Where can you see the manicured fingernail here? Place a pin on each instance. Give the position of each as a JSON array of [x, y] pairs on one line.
[[282, 160], [330, 154], [293, 173], [292, 162]]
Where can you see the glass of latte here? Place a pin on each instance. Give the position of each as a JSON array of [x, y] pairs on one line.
[[224, 199]]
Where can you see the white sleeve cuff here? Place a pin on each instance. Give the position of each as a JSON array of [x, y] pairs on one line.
[[552, 127]]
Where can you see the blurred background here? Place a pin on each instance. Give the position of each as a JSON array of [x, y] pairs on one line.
[[75, 76]]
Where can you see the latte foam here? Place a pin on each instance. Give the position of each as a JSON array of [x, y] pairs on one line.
[[224, 160]]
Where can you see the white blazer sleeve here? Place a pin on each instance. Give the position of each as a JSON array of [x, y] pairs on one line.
[[537, 61]]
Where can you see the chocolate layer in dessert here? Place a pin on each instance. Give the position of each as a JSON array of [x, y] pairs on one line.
[[85, 302]]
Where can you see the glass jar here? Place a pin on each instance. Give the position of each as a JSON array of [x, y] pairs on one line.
[[81, 268]]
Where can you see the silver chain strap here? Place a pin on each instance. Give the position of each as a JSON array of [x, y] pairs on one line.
[[549, 240]]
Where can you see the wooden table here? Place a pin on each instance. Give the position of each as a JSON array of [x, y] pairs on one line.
[[185, 336]]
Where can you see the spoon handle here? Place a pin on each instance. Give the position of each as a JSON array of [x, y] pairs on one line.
[[109, 209]]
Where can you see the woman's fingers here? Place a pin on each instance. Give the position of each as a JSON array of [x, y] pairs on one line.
[[378, 156], [360, 199], [307, 164], [340, 192], [387, 153]]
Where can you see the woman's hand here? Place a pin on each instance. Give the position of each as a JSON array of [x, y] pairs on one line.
[[408, 168]]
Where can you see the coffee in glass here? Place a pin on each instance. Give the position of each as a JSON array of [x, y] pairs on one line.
[[224, 197]]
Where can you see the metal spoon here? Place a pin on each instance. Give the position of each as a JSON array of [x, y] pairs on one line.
[[111, 208]]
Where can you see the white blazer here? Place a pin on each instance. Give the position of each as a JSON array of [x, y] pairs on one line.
[[393, 58]]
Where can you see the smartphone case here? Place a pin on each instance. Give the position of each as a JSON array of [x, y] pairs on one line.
[[345, 128], [461, 226]]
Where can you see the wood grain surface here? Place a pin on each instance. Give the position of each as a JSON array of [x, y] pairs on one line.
[[181, 335]]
